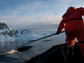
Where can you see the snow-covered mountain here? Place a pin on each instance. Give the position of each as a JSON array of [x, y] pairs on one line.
[[4, 30], [23, 35], [10, 35]]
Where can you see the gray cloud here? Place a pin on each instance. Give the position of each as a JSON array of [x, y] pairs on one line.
[[36, 14]]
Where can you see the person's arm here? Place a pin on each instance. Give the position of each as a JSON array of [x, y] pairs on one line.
[[60, 27]]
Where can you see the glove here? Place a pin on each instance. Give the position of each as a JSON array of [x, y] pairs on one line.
[[57, 33]]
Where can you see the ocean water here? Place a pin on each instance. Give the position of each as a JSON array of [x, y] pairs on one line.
[[34, 49]]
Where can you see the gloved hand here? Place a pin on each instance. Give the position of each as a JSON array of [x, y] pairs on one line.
[[57, 33]]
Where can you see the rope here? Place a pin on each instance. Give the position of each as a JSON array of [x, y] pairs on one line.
[[65, 58], [70, 46]]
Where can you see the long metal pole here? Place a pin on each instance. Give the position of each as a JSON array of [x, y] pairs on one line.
[[39, 39]]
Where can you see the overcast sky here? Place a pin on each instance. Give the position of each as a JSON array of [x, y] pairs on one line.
[[30, 13]]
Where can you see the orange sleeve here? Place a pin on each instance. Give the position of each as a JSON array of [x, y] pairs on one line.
[[61, 26]]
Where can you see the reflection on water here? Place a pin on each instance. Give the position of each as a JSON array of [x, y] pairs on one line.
[[8, 46]]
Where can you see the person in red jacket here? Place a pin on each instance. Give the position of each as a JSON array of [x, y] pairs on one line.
[[73, 24]]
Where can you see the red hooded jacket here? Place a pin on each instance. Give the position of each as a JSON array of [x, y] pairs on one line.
[[75, 14]]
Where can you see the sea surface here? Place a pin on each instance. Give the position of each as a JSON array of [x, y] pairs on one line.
[[34, 49]]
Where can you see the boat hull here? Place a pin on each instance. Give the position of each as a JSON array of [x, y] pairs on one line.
[[58, 54]]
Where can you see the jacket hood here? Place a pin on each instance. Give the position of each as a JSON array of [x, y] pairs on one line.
[[69, 10]]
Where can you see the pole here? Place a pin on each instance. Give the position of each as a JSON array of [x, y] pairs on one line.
[[39, 39]]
